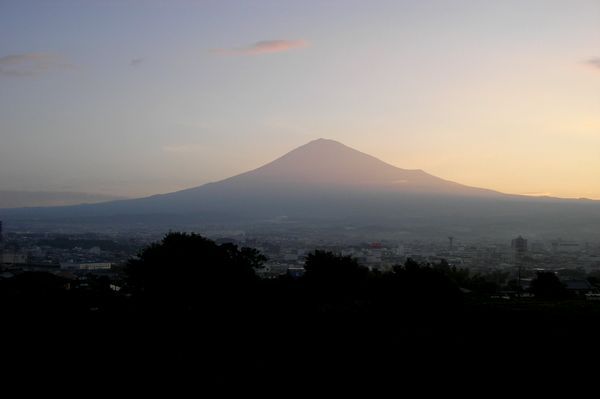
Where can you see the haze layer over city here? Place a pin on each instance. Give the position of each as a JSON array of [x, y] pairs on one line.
[[388, 168]]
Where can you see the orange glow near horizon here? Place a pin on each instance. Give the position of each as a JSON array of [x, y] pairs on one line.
[[500, 95]]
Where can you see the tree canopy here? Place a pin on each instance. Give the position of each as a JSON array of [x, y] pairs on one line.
[[548, 286], [189, 267]]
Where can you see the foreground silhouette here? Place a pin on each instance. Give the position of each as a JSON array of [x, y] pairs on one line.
[[196, 309]]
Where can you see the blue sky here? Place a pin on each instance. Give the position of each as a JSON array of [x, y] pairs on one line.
[[140, 97]]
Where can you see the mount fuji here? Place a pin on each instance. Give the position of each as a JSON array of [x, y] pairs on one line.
[[325, 181]]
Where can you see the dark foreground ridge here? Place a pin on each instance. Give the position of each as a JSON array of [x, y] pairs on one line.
[[195, 312]]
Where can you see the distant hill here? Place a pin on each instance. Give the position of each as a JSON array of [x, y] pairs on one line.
[[20, 199], [325, 183]]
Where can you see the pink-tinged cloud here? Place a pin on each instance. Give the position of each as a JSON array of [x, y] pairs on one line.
[[29, 64], [594, 62], [264, 47]]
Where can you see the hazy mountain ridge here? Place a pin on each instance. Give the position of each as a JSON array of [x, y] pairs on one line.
[[326, 182], [22, 198]]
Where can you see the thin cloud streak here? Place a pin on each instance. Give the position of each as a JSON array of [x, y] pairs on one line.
[[543, 194], [263, 47], [594, 62], [184, 148], [136, 62], [31, 64]]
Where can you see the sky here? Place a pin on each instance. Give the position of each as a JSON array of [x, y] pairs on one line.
[[133, 98]]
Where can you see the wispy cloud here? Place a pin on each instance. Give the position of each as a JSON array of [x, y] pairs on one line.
[[542, 194], [30, 64], [263, 47], [184, 148], [594, 62], [136, 62]]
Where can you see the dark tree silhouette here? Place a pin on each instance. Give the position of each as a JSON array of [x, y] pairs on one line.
[[332, 268], [188, 269], [424, 286], [547, 286], [332, 275]]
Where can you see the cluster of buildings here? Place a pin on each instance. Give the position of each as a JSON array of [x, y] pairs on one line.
[[78, 255], [68, 256], [519, 257]]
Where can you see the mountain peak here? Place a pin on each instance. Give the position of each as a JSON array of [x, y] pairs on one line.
[[329, 163], [322, 141], [322, 144], [330, 146]]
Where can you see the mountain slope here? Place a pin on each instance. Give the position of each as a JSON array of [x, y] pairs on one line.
[[329, 182], [329, 163]]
